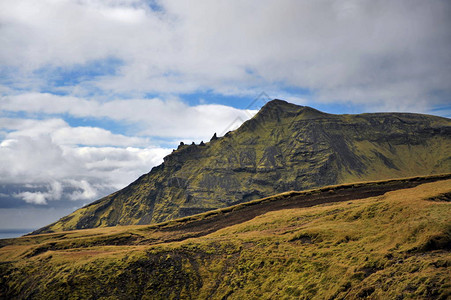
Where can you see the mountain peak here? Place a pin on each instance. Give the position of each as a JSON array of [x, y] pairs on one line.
[[277, 109], [280, 104], [277, 102]]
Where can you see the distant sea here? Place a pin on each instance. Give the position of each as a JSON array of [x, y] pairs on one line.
[[13, 233]]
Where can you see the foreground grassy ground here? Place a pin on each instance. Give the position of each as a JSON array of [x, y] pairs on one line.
[[395, 245]]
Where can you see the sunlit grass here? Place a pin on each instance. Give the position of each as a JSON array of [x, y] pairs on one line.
[[379, 247]]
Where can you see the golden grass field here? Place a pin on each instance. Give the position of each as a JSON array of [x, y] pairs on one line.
[[395, 245]]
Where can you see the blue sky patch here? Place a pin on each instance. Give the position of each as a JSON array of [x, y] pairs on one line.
[[79, 73]]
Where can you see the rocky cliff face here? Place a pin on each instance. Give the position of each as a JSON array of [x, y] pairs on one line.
[[284, 147]]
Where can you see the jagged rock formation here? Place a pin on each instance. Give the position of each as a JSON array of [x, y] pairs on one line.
[[284, 147]]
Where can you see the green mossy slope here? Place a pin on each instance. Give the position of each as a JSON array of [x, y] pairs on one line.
[[394, 245], [284, 147]]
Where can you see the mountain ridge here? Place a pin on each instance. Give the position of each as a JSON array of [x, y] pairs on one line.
[[283, 147]]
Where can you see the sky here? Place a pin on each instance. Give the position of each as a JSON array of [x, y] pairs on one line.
[[94, 93]]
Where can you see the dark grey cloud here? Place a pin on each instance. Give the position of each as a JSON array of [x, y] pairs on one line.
[[11, 193]]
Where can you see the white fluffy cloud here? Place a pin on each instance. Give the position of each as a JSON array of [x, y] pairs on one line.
[[26, 159], [154, 117], [44, 156], [54, 193], [366, 52], [63, 134]]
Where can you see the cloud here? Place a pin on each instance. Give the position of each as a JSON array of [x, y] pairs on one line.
[[94, 136], [54, 193], [38, 168], [171, 118], [62, 190], [36, 198], [31, 159], [36, 159], [41, 168], [85, 192], [366, 52], [62, 134]]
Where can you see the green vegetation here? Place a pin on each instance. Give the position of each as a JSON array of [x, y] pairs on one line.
[[284, 147], [393, 245]]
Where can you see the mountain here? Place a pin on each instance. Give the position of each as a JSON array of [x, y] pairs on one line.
[[283, 147], [376, 240]]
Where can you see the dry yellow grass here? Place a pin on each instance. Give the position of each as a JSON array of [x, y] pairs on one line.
[[379, 247]]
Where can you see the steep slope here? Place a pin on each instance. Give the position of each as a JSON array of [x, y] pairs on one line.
[[387, 246], [284, 147]]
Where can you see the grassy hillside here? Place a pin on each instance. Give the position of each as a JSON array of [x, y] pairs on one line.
[[284, 147], [362, 241]]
